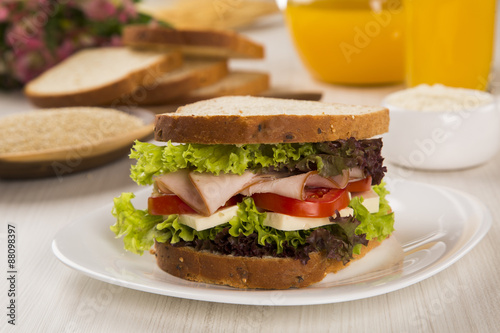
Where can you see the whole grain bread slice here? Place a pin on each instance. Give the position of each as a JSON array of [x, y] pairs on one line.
[[194, 74], [99, 76], [235, 83], [200, 43], [247, 119], [248, 272]]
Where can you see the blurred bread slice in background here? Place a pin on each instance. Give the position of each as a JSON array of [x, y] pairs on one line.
[[194, 74], [210, 14], [99, 76], [198, 43], [236, 83]]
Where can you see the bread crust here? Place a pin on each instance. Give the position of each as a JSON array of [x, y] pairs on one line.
[[248, 272], [110, 93], [208, 43], [254, 84], [232, 129], [166, 91]]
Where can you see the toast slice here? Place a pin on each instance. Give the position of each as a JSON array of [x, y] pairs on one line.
[[269, 120], [99, 76], [194, 74], [235, 83], [199, 43]]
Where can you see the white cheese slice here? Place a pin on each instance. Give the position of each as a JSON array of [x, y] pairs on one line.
[[290, 223], [275, 220], [371, 200], [200, 222]]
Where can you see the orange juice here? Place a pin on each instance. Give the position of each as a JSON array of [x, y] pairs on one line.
[[450, 42], [349, 41]]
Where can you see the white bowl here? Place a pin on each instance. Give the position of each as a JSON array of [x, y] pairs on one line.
[[442, 140]]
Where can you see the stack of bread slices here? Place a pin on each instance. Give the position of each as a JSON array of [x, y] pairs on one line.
[[156, 66]]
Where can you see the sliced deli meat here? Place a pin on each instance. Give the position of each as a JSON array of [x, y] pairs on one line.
[[179, 183], [206, 192], [294, 186], [215, 191], [291, 186]]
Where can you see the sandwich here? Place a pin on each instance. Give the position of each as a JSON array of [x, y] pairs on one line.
[[255, 192]]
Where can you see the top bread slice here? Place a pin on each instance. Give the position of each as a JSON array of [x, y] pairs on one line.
[[99, 76], [246, 119], [199, 43]]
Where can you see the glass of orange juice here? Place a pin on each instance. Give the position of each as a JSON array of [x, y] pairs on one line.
[[450, 42], [349, 41]]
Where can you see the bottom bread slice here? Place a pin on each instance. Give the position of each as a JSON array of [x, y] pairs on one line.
[[248, 272]]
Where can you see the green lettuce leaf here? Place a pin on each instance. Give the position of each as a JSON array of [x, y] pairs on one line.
[[149, 162], [137, 226], [155, 160], [329, 158], [376, 225]]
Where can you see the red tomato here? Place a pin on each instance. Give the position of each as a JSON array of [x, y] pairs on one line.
[[172, 204], [319, 202], [360, 185], [168, 204]]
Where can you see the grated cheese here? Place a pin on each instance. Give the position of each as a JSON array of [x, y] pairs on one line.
[[438, 98]]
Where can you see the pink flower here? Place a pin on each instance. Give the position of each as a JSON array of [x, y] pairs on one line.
[[129, 9], [34, 4], [123, 18], [16, 37], [65, 50], [115, 40], [22, 37], [33, 44], [99, 10], [22, 67], [4, 13], [27, 50]]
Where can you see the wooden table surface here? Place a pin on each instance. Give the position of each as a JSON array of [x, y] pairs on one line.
[[54, 298]]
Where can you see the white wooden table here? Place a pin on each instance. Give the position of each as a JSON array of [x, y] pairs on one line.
[[54, 298]]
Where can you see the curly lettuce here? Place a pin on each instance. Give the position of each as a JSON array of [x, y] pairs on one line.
[[374, 225], [137, 226], [328, 158]]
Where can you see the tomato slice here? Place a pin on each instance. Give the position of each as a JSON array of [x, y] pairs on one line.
[[171, 204], [319, 202], [168, 204], [360, 185]]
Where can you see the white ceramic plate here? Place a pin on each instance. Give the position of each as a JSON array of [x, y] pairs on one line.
[[436, 226]]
